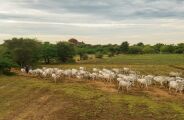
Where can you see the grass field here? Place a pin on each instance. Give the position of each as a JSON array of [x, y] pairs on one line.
[[28, 98], [24, 98], [158, 64], [145, 59]]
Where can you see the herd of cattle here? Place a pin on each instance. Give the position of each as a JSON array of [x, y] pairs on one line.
[[125, 78]]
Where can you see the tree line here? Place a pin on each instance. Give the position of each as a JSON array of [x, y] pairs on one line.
[[26, 51]]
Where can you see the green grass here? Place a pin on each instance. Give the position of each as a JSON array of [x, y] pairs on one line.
[[145, 59], [32, 98], [157, 64]]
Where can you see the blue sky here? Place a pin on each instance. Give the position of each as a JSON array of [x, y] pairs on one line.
[[94, 21]]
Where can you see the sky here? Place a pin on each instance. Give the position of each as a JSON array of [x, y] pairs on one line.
[[94, 21]]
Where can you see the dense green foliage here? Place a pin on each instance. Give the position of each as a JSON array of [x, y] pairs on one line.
[[65, 51], [5, 65], [25, 51], [148, 49], [124, 47], [135, 50], [49, 52], [5, 61]]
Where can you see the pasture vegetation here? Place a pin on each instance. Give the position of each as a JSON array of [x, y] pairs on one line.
[[33, 98], [24, 97], [25, 51], [157, 64], [144, 59]]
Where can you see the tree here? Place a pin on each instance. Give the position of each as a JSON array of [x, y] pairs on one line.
[[81, 50], [157, 47], [82, 53], [6, 63], [179, 48], [167, 49], [65, 51], [24, 51], [135, 50], [2, 49], [140, 44], [124, 47], [48, 52], [148, 49]]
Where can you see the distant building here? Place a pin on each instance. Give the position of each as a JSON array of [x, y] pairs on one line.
[[75, 41]]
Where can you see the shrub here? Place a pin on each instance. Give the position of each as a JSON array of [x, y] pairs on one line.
[[23, 50], [148, 50], [179, 48], [5, 65], [135, 50], [167, 49], [84, 57], [110, 54], [65, 51], [124, 47], [99, 55]]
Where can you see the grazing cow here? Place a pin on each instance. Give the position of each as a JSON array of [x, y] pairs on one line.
[[178, 86], [124, 84]]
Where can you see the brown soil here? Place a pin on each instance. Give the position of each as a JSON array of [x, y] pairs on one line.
[[107, 87]]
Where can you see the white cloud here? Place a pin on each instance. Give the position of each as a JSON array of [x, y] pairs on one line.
[[94, 20]]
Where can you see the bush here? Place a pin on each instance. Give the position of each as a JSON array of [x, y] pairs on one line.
[[157, 47], [84, 57], [99, 55], [135, 50], [65, 51], [167, 49], [124, 47], [5, 65], [110, 54], [179, 49], [148, 50], [23, 50]]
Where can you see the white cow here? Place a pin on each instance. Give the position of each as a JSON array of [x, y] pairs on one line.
[[124, 84], [178, 86], [23, 70]]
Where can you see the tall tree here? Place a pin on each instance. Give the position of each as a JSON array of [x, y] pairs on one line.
[[157, 47], [179, 48], [124, 47], [167, 49], [5, 61], [148, 49], [140, 44], [135, 50], [65, 51], [24, 50], [48, 52]]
